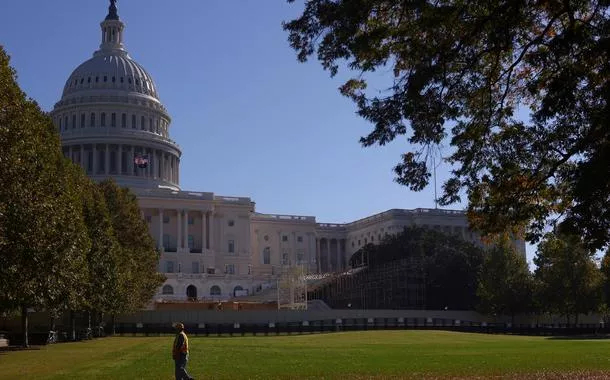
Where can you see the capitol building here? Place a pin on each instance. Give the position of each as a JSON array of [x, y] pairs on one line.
[[113, 124]]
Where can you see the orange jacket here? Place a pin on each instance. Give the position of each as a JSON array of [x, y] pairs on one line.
[[181, 345]]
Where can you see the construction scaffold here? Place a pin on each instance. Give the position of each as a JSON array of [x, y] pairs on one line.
[[292, 288]]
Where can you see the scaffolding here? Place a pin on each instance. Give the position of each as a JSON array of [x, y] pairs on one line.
[[292, 288], [398, 284]]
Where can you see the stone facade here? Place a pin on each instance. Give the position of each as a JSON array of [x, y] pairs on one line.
[[112, 123]]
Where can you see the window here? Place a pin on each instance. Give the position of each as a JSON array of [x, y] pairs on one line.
[[148, 218], [103, 119], [105, 78], [365, 241], [284, 237], [82, 120], [165, 219], [358, 242], [300, 239], [166, 241], [66, 123], [73, 121], [113, 79], [300, 257], [97, 79], [285, 260], [142, 123], [267, 255], [191, 242], [150, 125], [266, 237], [169, 267], [229, 268], [124, 120], [215, 290], [231, 247], [191, 220], [231, 223], [113, 120], [133, 121], [353, 244], [167, 289], [195, 268], [372, 238]]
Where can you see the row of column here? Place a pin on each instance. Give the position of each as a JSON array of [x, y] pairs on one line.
[[161, 165], [328, 255], [182, 228]]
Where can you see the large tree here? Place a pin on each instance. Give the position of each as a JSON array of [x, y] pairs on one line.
[[138, 257], [463, 71], [42, 235], [505, 285], [569, 281]]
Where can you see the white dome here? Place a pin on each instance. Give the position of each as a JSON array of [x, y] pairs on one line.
[[111, 120], [113, 71]]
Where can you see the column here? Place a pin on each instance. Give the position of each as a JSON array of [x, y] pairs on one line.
[[107, 159], [186, 229], [94, 167], [280, 252], [203, 234], [160, 245], [120, 160], [179, 227], [155, 164], [211, 230], [130, 161], [339, 266], [177, 170], [318, 254], [328, 256]]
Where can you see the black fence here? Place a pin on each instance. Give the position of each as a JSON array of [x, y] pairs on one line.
[[357, 324], [314, 327]]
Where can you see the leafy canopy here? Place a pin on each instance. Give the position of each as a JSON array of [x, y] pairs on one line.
[[462, 70]]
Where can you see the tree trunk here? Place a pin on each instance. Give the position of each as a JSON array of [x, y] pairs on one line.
[[52, 322], [576, 320], [113, 330], [72, 326], [24, 326]]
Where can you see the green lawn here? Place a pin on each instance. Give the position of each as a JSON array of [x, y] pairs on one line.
[[354, 355]]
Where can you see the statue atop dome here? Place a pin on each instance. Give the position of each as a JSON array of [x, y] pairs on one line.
[[112, 11]]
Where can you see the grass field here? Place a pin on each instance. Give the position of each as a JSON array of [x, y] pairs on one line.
[[354, 355]]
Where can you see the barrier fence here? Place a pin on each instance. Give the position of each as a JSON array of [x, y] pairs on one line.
[[357, 324]]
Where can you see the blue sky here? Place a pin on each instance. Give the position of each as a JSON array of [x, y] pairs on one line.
[[250, 119]]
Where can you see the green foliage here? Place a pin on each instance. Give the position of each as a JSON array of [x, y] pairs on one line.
[[505, 284], [462, 70], [569, 282], [138, 258], [42, 235]]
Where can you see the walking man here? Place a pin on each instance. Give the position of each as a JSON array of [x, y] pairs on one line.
[[180, 353]]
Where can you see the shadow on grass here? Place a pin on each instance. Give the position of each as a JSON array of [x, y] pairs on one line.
[[580, 337]]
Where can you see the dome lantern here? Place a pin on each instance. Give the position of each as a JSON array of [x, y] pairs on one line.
[[112, 32]]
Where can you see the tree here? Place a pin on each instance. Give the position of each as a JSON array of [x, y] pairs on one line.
[[103, 257], [570, 282], [605, 269], [138, 276], [463, 70], [42, 236], [505, 284]]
